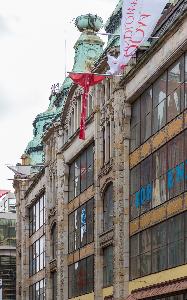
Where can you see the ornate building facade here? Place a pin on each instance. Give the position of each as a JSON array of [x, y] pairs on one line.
[[104, 218]]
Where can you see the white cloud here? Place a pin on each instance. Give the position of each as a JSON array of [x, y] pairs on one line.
[[32, 36]]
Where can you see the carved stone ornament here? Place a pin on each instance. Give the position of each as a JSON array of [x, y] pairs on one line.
[[106, 238], [53, 265], [106, 169]]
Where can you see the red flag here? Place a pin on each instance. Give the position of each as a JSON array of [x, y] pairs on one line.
[[85, 80], [3, 192]]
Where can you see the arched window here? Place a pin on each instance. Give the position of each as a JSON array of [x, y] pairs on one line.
[[54, 241], [108, 208]]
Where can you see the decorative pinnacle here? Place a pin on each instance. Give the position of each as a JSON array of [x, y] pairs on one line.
[[89, 22]]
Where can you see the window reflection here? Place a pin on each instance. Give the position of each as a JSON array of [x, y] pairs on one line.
[[37, 256], [37, 215], [165, 99], [161, 247], [81, 173], [81, 226], [160, 177], [81, 277]]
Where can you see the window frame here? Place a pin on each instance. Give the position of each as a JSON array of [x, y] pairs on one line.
[[74, 290], [167, 244], [179, 85], [76, 232], [34, 217], [37, 259], [108, 200], [72, 175], [172, 180]]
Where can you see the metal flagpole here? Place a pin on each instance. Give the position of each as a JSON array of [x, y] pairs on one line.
[[107, 75]]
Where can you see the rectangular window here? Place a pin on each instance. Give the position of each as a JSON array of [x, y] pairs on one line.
[[135, 192], [54, 285], [135, 126], [135, 256], [160, 247], [164, 100], [37, 256], [145, 252], [81, 173], [160, 177], [108, 208], [80, 277], [175, 99], [81, 226], [37, 290], [176, 166], [145, 179], [108, 266], [159, 103], [37, 215], [146, 110]]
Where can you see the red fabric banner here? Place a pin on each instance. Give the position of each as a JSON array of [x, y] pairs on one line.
[[3, 192], [85, 80]]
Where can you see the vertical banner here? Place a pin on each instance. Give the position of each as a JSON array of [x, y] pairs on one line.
[[139, 18]]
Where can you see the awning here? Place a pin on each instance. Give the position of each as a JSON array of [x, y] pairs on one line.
[[160, 289]]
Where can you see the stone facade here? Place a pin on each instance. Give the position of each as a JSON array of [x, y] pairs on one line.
[[109, 130]]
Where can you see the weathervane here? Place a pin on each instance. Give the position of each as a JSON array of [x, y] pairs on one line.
[[55, 89]]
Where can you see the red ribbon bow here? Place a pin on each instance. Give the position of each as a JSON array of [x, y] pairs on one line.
[[85, 80]]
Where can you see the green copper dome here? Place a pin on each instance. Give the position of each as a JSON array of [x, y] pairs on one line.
[[87, 50], [35, 146], [89, 22], [89, 46]]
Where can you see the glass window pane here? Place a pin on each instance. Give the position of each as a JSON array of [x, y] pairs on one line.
[[108, 208], [134, 267], [159, 90], [71, 232], [176, 228], [159, 191], [176, 166], [71, 181], [83, 172], [90, 274], [159, 235], [135, 179], [135, 125], [89, 154], [159, 259], [71, 281], [77, 229], [146, 185], [145, 241], [174, 103], [145, 263], [83, 221], [176, 253], [135, 137], [90, 221], [146, 107], [175, 75], [108, 266], [77, 178], [135, 205], [37, 215], [159, 116]]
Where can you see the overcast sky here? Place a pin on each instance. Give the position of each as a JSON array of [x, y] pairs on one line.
[[32, 58]]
